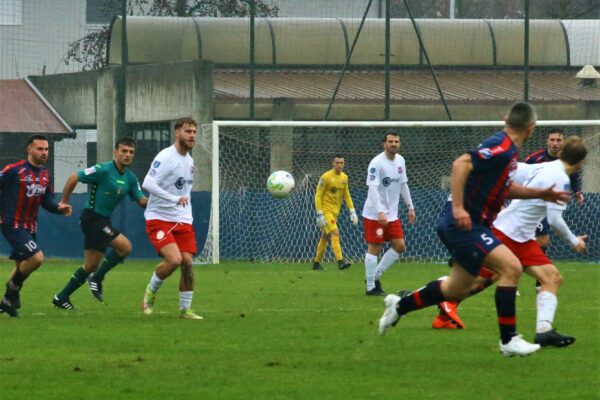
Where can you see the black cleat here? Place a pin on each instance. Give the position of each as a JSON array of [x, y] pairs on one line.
[[378, 285], [377, 290], [7, 307], [343, 264], [317, 266], [64, 304], [553, 338], [13, 296], [95, 288]]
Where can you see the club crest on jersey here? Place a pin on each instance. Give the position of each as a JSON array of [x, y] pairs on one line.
[[89, 171], [156, 164], [485, 153]]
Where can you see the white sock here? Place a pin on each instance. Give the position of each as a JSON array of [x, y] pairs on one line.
[[155, 282], [546, 307], [370, 267], [185, 300], [389, 257]]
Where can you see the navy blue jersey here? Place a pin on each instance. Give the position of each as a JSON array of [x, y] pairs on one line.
[[542, 155], [23, 188], [494, 165]]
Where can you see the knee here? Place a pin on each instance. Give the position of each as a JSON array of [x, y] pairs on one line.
[[124, 249], [554, 280], [37, 259], [173, 261], [399, 247]]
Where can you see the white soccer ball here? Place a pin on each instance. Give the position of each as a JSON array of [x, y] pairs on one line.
[[280, 184]]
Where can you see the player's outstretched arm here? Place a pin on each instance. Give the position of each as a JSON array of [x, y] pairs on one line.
[[70, 185], [517, 191]]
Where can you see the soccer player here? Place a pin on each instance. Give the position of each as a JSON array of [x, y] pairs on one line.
[[516, 225], [387, 181], [108, 183], [25, 185], [481, 180], [554, 145], [169, 217], [331, 191]]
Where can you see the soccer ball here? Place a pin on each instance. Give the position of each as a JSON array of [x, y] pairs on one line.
[[280, 184]]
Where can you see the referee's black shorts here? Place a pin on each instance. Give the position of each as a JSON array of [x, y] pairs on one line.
[[97, 229]]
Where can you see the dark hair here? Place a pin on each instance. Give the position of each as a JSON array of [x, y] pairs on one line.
[[553, 131], [184, 121], [392, 133], [521, 115], [573, 150], [337, 155], [34, 137], [125, 141]]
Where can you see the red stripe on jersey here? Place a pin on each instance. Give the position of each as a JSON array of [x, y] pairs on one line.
[[418, 299], [9, 166], [534, 155], [507, 320], [21, 198], [30, 203]]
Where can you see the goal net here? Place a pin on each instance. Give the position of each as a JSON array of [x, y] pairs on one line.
[[248, 224]]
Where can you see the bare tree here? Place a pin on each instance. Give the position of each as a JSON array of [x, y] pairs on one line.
[[90, 50]]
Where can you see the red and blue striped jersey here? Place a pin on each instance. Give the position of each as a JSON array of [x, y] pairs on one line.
[[23, 188], [542, 155], [494, 166]]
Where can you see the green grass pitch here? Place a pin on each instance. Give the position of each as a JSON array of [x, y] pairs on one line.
[[282, 331]]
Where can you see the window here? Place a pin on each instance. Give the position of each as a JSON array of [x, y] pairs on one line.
[[11, 12]]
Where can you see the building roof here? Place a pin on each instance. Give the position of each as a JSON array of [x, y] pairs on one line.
[[458, 86], [25, 110]]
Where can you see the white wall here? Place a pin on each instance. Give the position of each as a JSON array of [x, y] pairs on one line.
[[326, 8], [48, 26]]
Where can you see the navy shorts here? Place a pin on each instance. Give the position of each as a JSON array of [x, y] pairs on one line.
[[543, 228], [468, 248], [22, 242]]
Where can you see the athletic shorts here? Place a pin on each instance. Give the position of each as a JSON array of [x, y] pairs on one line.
[[529, 253], [22, 242], [375, 233], [162, 233], [543, 228], [468, 248], [330, 222], [97, 230]]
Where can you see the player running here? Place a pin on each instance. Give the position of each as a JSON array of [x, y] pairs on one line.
[[108, 183], [24, 186], [331, 191], [169, 217]]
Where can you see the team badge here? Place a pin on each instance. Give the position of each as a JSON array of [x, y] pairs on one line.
[[160, 235], [371, 177], [485, 153], [373, 170], [156, 164], [152, 172], [379, 232], [399, 170]]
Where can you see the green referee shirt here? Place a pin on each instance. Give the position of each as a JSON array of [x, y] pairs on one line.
[[107, 186]]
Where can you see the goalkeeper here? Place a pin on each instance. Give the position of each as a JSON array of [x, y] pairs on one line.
[[331, 190]]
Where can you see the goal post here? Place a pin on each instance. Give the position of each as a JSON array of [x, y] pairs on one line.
[[246, 223]]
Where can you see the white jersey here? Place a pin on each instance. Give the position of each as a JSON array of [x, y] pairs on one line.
[[171, 176], [388, 176], [519, 220]]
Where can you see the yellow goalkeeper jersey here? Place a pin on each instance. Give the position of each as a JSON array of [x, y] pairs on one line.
[[331, 190]]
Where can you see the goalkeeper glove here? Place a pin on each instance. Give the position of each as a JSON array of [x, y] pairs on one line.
[[353, 216], [321, 220]]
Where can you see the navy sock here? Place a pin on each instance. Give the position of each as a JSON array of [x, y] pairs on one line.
[[427, 296], [507, 314]]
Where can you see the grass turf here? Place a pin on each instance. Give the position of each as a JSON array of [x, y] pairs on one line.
[[282, 331]]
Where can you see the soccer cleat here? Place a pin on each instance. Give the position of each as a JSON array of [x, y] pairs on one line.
[[518, 347], [442, 321], [95, 288], [390, 316], [450, 309], [375, 292], [7, 307], [343, 264], [64, 304], [317, 266], [189, 314], [148, 302], [13, 296], [553, 338]]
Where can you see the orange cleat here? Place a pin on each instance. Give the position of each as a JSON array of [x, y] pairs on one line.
[[442, 321], [450, 309]]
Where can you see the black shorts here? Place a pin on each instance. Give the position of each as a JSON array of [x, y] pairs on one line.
[[97, 229]]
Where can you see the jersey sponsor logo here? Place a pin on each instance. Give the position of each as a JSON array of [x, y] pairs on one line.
[[567, 187], [89, 171], [333, 189], [180, 182], [156, 164], [373, 170], [152, 172], [371, 177], [35, 190]]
